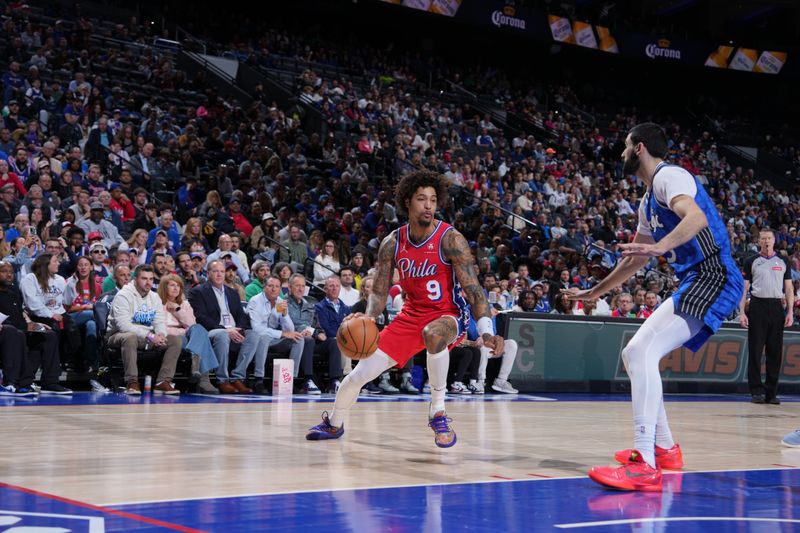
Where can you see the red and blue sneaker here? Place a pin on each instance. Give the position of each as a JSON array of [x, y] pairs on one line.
[[325, 430], [443, 434], [666, 458], [636, 474]]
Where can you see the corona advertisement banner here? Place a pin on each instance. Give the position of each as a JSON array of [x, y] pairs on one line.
[[584, 34], [744, 59], [770, 62], [448, 8], [561, 29]]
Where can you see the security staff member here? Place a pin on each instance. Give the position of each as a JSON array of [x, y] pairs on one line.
[[769, 277]]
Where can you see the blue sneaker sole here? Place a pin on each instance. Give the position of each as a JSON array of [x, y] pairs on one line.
[[323, 436]]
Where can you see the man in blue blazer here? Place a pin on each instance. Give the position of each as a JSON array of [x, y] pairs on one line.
[[331, 311]]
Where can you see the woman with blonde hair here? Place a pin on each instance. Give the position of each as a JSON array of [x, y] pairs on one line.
[[326, 264], [213, 203], [194, 232], [181, 322], [138, 242], [316, 242]]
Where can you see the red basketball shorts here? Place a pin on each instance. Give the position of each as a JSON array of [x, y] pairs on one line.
[[402, 338]]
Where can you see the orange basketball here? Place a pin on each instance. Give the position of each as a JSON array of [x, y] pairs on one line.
[[358, 338]]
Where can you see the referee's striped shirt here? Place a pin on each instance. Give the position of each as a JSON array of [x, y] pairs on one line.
[[766, 275]]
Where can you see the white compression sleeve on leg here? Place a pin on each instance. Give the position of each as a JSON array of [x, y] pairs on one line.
[[366, 370], [662, 332], [438, 365], [509, 356]]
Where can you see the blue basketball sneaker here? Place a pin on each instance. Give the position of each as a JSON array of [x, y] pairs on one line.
[[443, 434], [325, 430], [792, 440]]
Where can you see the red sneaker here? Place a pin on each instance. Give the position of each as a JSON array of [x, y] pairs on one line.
[[671, 459], [635, 475]]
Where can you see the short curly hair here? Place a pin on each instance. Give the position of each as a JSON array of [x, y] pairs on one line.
[[409, 184]]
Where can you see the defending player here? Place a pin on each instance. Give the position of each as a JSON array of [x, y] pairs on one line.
[[677, 219], [437, 276]]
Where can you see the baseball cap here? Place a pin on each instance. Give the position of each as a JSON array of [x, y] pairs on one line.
[[231, 266], [94, 235], [96, 205], [163, 232], [97, 246], [267, 216]]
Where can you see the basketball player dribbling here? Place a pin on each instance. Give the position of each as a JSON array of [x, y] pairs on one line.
[[437, 275], [677, 219]]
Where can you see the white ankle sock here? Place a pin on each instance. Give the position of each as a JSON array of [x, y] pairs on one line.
[[663, 434], [644, 436]]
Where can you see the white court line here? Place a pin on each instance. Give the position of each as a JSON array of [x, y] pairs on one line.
[[676, 519], [409, 485], [96, 523]]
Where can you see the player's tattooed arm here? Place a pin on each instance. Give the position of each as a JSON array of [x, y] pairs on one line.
[[384, 267], [456, 250]]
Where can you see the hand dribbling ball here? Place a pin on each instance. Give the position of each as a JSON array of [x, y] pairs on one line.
[[358, 338]]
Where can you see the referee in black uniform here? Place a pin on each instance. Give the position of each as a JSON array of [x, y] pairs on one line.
[[768, 277]]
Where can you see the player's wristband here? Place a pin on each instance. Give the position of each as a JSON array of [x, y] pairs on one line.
[[485, 326]]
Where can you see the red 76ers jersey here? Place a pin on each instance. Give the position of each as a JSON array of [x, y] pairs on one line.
[[428, 280]]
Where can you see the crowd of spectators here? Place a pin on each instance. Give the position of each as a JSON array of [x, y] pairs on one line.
[[106, 192]]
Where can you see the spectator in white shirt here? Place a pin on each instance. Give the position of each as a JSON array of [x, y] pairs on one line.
[[270, 319], [348, 294]]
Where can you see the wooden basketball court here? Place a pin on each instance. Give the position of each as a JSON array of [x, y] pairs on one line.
[[133, 450]]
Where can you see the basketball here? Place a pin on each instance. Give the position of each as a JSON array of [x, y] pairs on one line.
[[358, 338]]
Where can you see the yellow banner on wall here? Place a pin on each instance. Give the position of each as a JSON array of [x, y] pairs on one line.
[[607, 41], [719, 57]]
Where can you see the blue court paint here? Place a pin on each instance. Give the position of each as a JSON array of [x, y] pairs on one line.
[[23, 510], [733, 501], [702, 502], [95, 398]]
